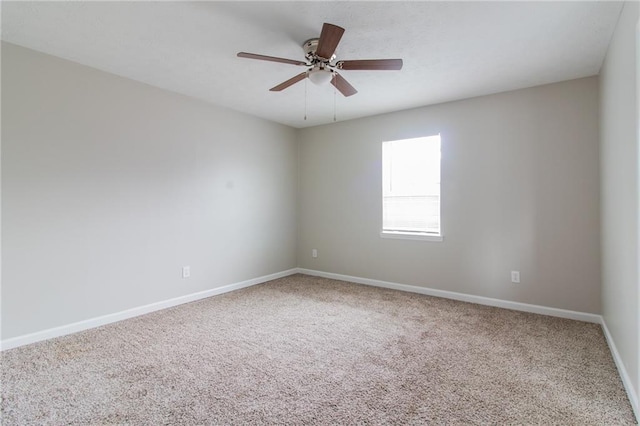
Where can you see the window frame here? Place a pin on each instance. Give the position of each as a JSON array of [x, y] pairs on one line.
[[412, 235]]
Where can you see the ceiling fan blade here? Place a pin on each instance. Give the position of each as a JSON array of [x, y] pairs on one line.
[[289, 82], [371, 64], [329, 39], [270, 58], [343, 85]]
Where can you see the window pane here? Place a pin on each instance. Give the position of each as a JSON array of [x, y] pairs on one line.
[[411, 185]]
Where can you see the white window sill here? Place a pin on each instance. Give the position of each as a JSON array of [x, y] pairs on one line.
[[411, 236]]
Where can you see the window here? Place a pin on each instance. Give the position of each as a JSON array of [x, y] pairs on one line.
[[411, 189]]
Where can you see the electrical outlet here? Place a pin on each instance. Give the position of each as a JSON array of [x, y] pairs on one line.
[[515, 276], [186, 271], [314, 253]]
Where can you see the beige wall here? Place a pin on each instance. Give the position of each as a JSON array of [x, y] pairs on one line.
[[519, 192], [110, 186], [620, 191]]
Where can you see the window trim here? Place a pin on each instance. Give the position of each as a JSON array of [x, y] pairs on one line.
[[416, 236]]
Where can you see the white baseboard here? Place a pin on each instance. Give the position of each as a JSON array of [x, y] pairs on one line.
[[75, 327], [516, 306], [626, 380]]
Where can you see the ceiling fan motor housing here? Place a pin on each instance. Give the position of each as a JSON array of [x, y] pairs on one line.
[[310, 46]]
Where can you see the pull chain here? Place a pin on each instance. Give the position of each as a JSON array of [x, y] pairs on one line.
[[334, 98], [305, 99]]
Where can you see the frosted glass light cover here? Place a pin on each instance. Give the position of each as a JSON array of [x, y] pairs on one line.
[[320, 77]]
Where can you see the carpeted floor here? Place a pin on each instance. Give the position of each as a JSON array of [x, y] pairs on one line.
[[307, 350]]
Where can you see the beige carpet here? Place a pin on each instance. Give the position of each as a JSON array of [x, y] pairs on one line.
[[306, 350]]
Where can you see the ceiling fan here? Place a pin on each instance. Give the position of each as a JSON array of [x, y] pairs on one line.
[[320, 52]]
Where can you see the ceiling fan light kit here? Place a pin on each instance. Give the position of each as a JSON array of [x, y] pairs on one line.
[[320, 54], [320, 76]]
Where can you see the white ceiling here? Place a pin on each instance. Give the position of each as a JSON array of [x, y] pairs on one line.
[[451, 50]]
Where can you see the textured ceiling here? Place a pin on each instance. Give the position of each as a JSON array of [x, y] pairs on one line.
[[451, 50]]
